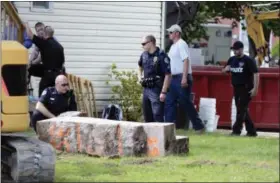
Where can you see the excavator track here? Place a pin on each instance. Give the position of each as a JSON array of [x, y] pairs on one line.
[[26, 159]]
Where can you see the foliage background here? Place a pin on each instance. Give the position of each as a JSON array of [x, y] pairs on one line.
[[127, 93]]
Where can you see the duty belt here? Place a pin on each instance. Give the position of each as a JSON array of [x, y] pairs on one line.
[[150, 82], [53, 70]]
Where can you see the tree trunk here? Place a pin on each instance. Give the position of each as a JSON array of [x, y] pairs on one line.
[[181, 13]]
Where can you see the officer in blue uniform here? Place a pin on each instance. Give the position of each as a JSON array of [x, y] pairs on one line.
[[156, 67], [245, 82], [54, 101]]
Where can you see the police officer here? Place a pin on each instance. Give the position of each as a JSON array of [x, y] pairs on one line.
[[52, 55], [35, 67], [155, 65], [245, 82], [54, 101], [181, 82]]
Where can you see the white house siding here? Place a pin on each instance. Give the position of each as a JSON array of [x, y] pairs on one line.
[[96, 34]]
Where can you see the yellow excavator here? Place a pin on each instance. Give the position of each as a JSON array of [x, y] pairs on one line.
[[23, 158], [255, 29]]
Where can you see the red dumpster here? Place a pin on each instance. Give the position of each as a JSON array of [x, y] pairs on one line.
[[264, 108]]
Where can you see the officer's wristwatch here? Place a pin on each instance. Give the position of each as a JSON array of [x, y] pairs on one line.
[[163, 93]]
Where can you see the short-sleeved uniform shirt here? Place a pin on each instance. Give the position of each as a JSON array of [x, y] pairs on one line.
[[155, 64], [242, 70], [58, 103], [52, 53]]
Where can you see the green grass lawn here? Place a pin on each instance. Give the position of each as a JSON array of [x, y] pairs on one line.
[[212, 157]]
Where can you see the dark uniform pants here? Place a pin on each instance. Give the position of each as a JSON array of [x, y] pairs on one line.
[[36, 70], [48, 80], [153, 108], [242, 99], [183, 96], [36, 116]]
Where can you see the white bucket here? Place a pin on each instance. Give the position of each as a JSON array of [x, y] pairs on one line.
[[233, 116], [211, 127], [209, 102], [207, 113]]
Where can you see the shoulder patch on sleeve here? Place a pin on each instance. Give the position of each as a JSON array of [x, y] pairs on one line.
[[44, 92]]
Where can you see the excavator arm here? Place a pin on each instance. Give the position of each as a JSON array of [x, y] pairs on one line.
[[255, 30]]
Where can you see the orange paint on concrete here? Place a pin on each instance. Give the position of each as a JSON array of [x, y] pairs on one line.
[[153, 146], [65, 142], [52, 134], [152, 140], [119, 136], [78, 132], [153, 152], [60, 133]]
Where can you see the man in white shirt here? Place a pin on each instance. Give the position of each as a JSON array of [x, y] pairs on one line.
[[181, 82]]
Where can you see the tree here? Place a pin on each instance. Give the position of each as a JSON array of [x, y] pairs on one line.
[[202, 12]]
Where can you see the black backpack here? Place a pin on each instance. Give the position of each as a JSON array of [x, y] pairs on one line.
[[113, 112]]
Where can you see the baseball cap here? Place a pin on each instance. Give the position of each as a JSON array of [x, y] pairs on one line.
[[174, 28], [237, 45]]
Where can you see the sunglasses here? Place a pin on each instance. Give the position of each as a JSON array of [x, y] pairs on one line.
[[65, 84], [143, 44]]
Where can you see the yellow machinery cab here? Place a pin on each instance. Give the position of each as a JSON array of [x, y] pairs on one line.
[[14, 100]]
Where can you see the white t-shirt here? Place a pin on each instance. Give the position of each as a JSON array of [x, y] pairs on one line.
[[178, 52]]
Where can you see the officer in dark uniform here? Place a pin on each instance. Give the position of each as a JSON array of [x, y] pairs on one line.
[[156, 67], [52, 55], [245, 82], [54, 101]]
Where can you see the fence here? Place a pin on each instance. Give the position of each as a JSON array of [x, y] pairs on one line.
[[84, 92]]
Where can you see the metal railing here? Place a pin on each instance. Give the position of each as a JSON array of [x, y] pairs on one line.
[[12, 28]]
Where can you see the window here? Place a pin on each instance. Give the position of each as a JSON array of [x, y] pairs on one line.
[[218, 33], [41, 6], [228, 34]]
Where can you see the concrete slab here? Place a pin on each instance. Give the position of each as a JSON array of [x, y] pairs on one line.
[[93, 137], [182, 145], [160, 138], [102, 137]]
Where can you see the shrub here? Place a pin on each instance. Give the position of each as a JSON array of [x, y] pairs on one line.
[[127, 93]]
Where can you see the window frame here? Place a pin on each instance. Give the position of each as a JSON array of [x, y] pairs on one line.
[[34, 9]]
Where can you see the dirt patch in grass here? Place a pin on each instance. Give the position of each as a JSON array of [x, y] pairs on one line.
[[139, 162], [110, 165], [204, 162], [261, 165]]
